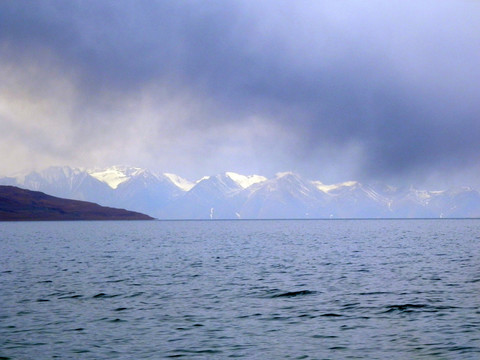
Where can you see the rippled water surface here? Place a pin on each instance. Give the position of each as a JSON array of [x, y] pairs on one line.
[[332, 289]]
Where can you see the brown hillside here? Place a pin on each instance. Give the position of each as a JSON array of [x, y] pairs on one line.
[[18, 204]]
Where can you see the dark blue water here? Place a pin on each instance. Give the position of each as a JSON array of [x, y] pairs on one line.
[[373, 289]]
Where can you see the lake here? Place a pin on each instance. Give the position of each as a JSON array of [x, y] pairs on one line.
[[291, 289]]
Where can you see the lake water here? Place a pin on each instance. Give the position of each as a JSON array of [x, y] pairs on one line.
[[332, 289]]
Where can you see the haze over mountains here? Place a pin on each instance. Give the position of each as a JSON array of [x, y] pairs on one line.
[[234, 196]]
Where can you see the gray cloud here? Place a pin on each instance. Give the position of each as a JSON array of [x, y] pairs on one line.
[[334, 89]]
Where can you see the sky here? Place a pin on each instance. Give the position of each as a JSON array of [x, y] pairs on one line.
[[334, 90]]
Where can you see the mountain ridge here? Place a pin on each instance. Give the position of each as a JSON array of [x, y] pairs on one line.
[[232, 196]]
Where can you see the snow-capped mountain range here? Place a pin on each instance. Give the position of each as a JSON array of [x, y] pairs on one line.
[[233, 196]]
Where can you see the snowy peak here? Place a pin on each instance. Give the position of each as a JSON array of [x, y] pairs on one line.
[[120, 176], [328, 188], [285, 184], [284, 173], [288, 179], [180, 182], [245, 181], [285, 196], [115, 175], [218, 184], [293, 183]]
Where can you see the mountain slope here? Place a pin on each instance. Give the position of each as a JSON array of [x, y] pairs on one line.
[[213, 197], [20, 204], [353, 199], [285, 196], [146, 192], [65, 182]]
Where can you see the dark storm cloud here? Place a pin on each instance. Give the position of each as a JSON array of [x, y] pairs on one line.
[[398, 82]]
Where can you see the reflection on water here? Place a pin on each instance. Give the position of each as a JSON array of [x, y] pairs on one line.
[[360, 289]]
